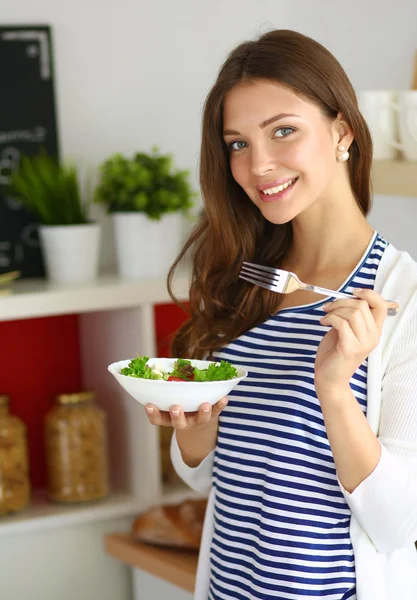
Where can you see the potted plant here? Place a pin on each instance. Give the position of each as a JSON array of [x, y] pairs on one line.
[[146, 198], [70, 242]]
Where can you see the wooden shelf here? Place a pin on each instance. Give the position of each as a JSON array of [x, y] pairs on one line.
[[173, 566], [395, 178], [39, 298], [43, 514]]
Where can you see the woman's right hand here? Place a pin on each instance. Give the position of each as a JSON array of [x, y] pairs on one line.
[[178, 419]]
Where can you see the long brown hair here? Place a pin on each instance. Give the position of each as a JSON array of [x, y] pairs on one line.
[[232, 228]]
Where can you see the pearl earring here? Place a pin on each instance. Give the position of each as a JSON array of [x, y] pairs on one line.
[[343, 157]]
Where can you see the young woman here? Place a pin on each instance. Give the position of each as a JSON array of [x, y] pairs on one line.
[[311, 462]]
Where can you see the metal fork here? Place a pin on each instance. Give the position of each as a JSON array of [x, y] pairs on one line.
[[285, 282]]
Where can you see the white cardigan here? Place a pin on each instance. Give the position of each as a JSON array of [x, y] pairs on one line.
[[384, 506]]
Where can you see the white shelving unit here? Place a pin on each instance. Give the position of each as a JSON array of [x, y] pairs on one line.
[[43, 514], [116, 321], [38, 298]]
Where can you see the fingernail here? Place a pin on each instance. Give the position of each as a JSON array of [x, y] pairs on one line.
[[206, 409], [223, 403], [149, 409], [357, 291], [327, 305], [175, 413]]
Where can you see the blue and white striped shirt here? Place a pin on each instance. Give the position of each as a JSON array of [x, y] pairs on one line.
[[281, 523]]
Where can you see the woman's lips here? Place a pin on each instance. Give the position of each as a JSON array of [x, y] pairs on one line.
[[279, 195]]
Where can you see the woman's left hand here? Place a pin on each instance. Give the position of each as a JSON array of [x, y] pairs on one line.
[[356, 327]]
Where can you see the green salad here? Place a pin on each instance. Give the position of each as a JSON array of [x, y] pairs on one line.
[[183, 371]]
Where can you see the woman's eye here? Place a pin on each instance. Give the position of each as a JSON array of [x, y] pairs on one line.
[[237, 145], [283, 131]]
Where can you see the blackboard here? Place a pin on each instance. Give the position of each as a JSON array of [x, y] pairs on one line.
[[27, 123]]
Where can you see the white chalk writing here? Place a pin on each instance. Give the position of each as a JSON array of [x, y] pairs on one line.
[[36, 135]]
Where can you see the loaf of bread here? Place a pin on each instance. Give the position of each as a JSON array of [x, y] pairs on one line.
[[172, 526]]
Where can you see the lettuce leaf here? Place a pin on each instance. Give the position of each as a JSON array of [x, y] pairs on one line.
[[183, 369], [215, 372], [138, 368]]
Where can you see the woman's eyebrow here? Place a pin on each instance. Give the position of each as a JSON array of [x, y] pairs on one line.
[[264, 124]]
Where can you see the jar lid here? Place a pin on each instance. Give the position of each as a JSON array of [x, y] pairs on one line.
[[75, 397], [4, 399]]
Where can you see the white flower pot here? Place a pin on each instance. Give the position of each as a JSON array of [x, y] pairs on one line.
[[71, 252], [146, 248]]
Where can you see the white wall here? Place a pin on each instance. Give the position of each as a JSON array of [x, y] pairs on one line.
[[134, 73], [396, 219]]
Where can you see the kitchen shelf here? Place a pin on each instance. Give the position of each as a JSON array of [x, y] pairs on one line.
[[395, 178], [173, 566], [39, 298], [43, 514]]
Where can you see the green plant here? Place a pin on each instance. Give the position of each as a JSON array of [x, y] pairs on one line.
[[145, 183], [49, 190]]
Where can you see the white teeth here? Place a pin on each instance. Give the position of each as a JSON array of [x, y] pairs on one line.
[[280, 188]]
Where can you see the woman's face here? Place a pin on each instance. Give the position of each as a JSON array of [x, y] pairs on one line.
[[282, 149]]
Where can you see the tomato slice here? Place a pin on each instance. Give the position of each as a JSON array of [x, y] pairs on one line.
[[174, 378]]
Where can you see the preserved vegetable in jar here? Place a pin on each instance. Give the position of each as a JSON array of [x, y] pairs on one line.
[[76, 449], [14, 462]]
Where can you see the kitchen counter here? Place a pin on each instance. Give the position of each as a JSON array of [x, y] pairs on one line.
[[173, 566]]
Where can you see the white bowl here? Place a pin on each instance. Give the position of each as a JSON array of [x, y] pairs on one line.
[[165, 394]]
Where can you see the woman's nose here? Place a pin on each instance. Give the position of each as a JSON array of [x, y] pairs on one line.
[[261, 162]]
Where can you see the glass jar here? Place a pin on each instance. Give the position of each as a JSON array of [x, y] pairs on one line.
[[14, 462], [76, 449]]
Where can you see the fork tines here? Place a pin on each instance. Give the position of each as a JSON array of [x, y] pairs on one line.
[[255, 267], [259, 275]]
